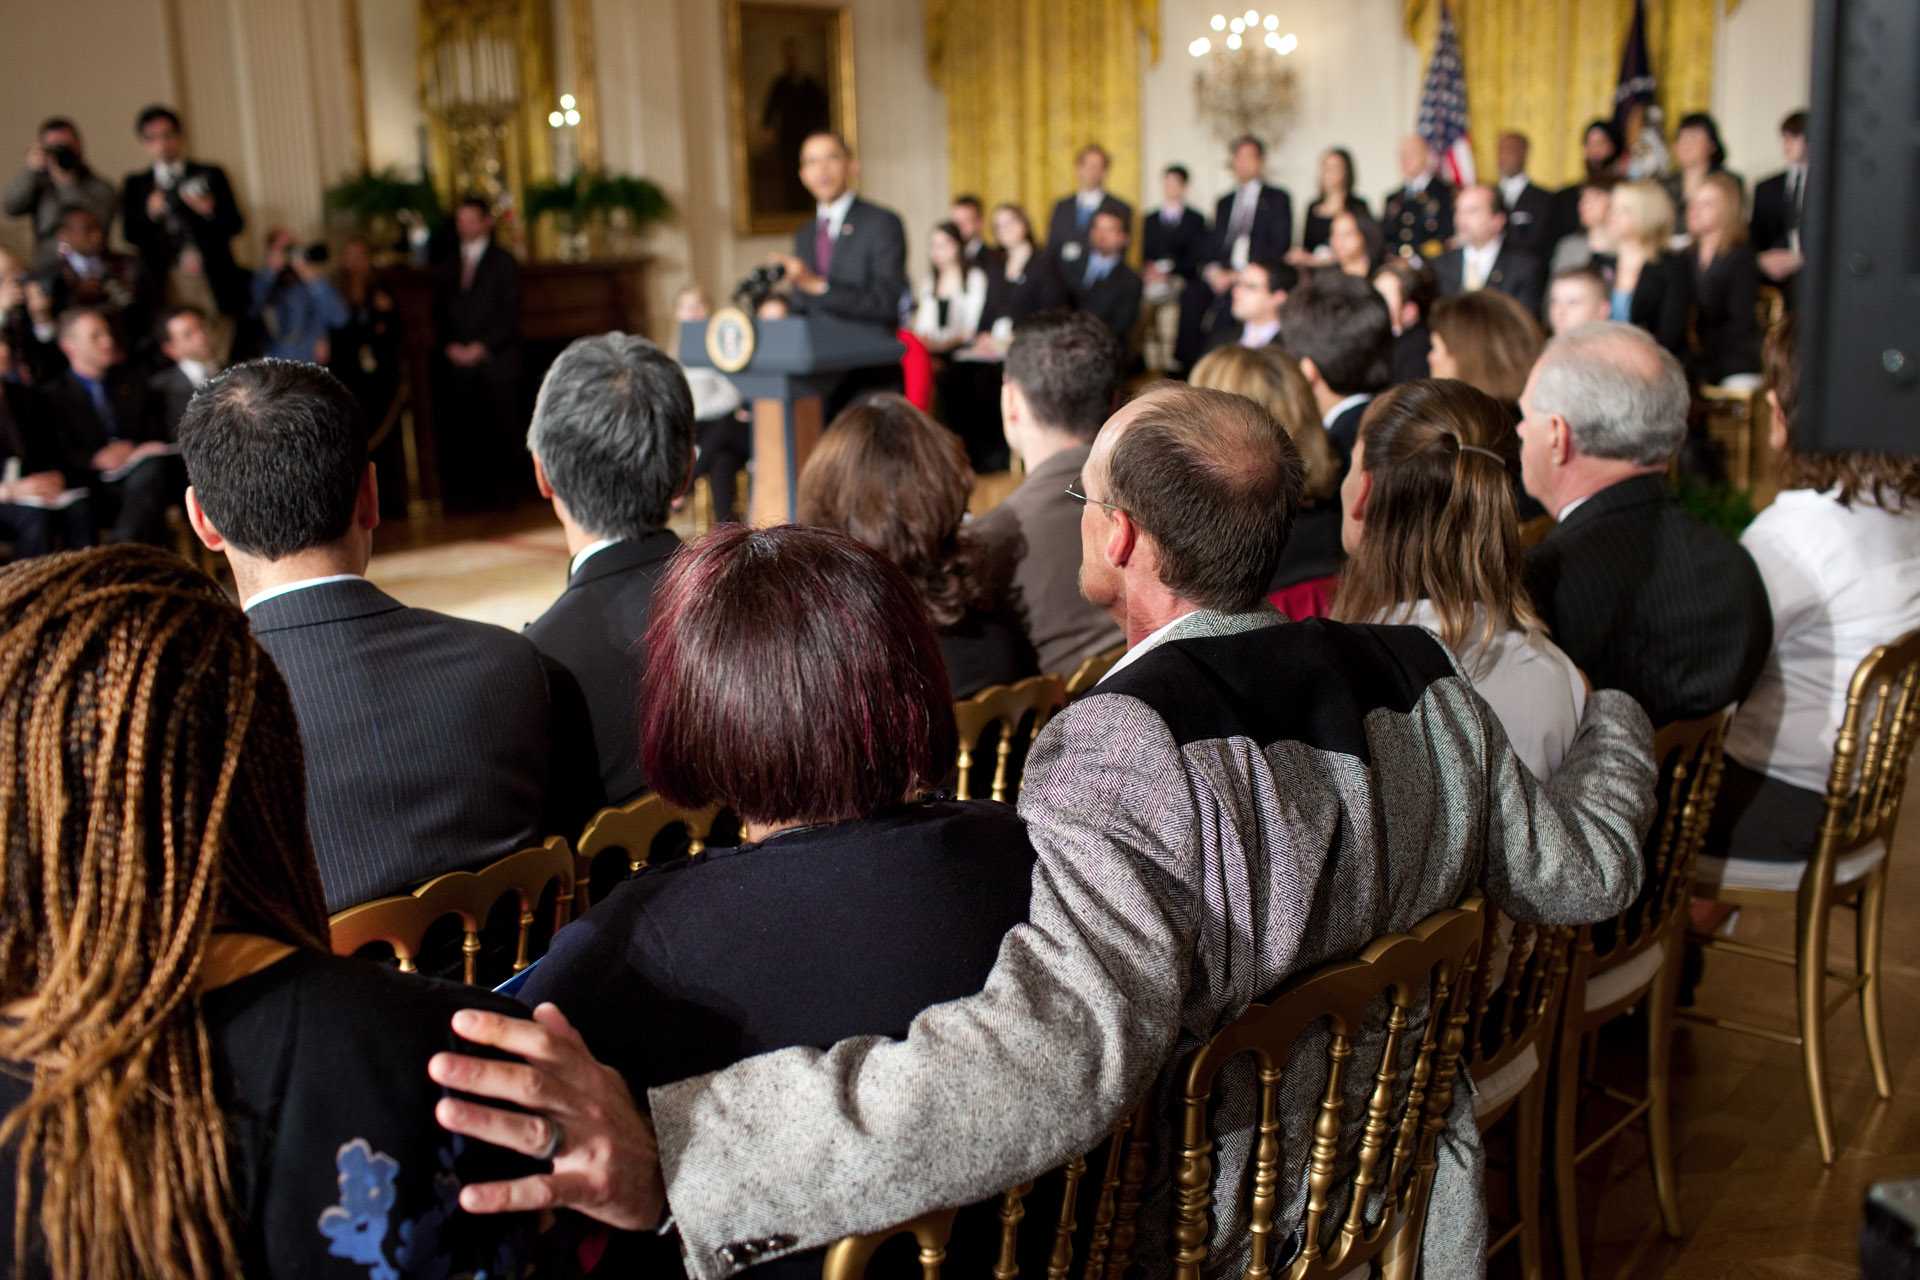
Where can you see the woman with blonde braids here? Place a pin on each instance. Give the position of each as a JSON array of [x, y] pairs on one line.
[[191, 1084], [1433, 540]]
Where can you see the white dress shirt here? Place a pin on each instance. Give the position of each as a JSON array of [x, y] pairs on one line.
[[197, 373], [167, 176], [1477, 264], [1511, 189], [1147, 642], [1532, 685], [1246, 207], [1419, 184], [963, 309], [587, 553], [1259, 335], [1089, 202], [835, 213], [1332, 415], [1840, 581], [288, 588]]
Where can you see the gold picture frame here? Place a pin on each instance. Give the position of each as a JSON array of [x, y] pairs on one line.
[[782, 61]]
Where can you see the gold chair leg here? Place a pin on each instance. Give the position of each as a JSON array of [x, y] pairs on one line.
[[1872, 915], [1661, 1000], [1566, 1198], [1812, 988], [1530, 1125]]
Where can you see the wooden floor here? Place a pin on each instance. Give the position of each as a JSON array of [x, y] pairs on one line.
[[1755, 1199]]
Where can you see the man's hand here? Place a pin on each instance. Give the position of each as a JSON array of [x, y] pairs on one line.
[[41, 484], [201, 202], [1219, 278], [156, 204], [772, 309], [607, 1165], [117, 453], [467, 354], [1778, 264], [799, 274], [37, 158], [151, 448]]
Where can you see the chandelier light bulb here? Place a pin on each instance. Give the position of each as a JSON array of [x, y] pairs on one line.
[[573, 117], [1253, 17], [1199, 47], [555, 119], [1219, 22], [1273, 41], [1288, 43], [1271, 22], [1238, 26], [1233, 42], [566, 102]]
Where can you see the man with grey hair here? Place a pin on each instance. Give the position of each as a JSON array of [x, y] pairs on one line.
[[612, 445], [1643, 596]]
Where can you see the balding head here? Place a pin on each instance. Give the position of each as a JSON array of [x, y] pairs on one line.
[[1212, 480], [1622, 394]]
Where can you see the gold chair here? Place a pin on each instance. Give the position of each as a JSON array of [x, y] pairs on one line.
[[1632, 959], [1849, 868], [1514, 1018], [1090, 672], [631, 828], [402, 920], [1739, 419], [1005, 705]]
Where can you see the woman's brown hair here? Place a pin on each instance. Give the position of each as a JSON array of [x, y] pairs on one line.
[[149, 786], [1440, 521], [1733, 226], [887, 475], [1493, 339], [1271, 378], [1888, 481]]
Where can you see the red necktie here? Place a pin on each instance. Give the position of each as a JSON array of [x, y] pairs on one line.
[[823, 246]]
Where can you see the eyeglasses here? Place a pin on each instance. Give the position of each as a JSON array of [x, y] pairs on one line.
[[1075, 493]]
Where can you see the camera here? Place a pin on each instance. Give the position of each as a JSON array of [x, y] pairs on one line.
[[63, 158], [313, 253], [759, 284]]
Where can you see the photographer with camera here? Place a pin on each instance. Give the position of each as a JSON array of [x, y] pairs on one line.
[[54, 180], [295, 303], [181, 216]]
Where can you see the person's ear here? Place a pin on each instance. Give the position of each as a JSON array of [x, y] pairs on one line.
[[202, 527], [1013, 403], [1123, 540], [540, 479], [1359, 512], [1310, 371], [366, 505], [1560, 440], [1776, 423]]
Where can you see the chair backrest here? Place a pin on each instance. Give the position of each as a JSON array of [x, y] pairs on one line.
[[1689, 755], [1393, 1161], [1006, 705], [1870, 755], [1770, 301], [631, 829], [1517, 988], [402, 920], [1090, 672]]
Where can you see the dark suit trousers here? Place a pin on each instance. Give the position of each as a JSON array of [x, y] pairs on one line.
[[31, 530], [136, 504], [725, 446], [483, 456]]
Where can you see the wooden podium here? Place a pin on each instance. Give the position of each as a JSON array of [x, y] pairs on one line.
[[796, 363]]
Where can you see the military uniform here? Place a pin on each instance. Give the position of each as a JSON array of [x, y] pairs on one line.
[[1419, 224]]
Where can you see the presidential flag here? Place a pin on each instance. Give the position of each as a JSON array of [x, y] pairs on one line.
[[1443, 105]]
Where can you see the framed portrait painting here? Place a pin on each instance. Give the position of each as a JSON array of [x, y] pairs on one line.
[[790, 73]]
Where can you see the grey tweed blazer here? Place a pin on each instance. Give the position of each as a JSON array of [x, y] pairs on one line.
[[1245, 800]]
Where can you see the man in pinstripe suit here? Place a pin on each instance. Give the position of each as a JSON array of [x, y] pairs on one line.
[[432, 743], [1641, 595]]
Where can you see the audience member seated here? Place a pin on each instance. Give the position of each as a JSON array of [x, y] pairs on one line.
[[888, 476], [1641, 595], [1409, 289], [1590, 238], [193, 1085], [1303, 584], [1260, 289], [725, 436], [1601, 147], [1529, 206], [1254, 220], [1839, 551], [1418, 216], [1334, 198], [180, 216], [431, 743], [1698, 154], [953, 295], [1026, 282], [1339, 329], [36, 504], [969, 218], [1070, 228], [295, 304], [1651, 287], [854, 899], [85, 273], [1777, 205], [1577, 296], [54, 179], [612, 445], [1271, 752], [1486, 259], [1488, 341], [184, 342], [1105, 287], [1354, 243], [1726, 286], [1433, 540], [1062, 380], [107, 437]]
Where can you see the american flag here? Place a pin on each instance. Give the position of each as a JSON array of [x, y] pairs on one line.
[[1443, 105]]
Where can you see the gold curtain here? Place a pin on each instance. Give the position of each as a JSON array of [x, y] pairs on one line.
[[1547, 67], [1030, 82]]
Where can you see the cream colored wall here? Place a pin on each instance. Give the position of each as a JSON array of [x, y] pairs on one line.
[[1762, 68]]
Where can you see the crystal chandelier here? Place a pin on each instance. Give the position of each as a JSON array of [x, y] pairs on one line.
[[1246, 82]]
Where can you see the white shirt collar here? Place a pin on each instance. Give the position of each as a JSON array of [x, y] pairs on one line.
[[1147, 642], [1332, 415], [587, 553], [1485, 256], [197, 373], [167, 176], [1259, 335], [287, 588], [1091, 199], [474, 250], [1510, 189], [1570, 508], [1419, 184], [835, 213]]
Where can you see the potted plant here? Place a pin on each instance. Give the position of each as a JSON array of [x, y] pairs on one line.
[[621, 206], [381, 204]]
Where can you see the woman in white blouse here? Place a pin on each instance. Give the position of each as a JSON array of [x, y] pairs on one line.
[[952, 296], [1839, 551], [1433, 540]]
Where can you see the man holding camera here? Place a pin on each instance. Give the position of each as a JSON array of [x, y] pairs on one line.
[[54, 180], [181, 216], [295, 303]]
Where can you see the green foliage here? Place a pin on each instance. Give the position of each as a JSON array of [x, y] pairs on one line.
[[369, 195], [1726, 508], [585, 194]]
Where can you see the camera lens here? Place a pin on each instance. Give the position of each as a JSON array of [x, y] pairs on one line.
[[64, 156]]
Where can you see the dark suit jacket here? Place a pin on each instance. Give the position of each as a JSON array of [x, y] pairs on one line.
[[1530, 222], [168, 394], [1725, 319], [1563, 216], [1661, 301], [868, 272], [596, 630], [30, 431], [1420, 222], [1040, 287], [1772, 220], [1516, 273], [1345, 430], [1645, 598], [1410, 351], [432, 743], [1063, 228], [1271, 234], [1181, 243], [1114, 299], [488, 313], [81, 431], [1319, 228], [158, 246]]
